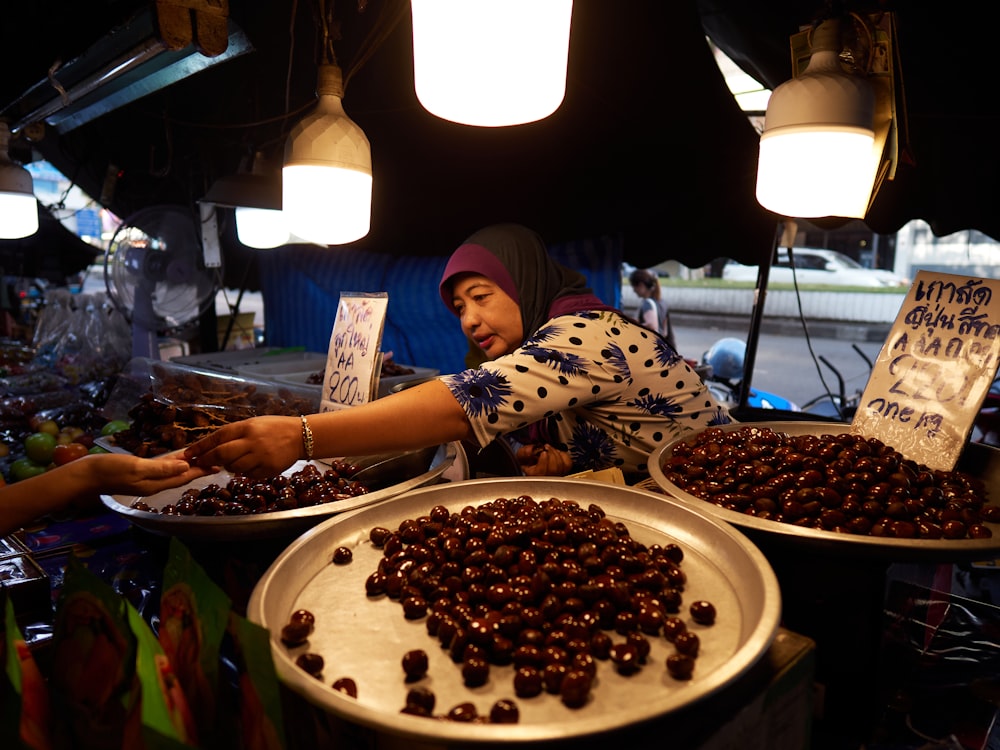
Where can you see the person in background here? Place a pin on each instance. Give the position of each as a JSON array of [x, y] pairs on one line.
[[79, 484], [577, 383], [653, 312]]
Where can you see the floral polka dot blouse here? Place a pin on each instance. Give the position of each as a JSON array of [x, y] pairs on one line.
[[611, 390]]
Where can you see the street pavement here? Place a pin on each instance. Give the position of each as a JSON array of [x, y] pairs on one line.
[[787, 361]]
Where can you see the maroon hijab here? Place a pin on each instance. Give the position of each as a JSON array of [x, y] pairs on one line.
[[515, 258]]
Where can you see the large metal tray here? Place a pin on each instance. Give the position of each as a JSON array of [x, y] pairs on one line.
[[365, 638], [400, 469], [978, 460]]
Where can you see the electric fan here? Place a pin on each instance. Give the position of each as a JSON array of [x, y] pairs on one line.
[[155, 274]]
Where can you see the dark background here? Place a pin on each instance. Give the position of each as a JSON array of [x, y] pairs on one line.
[[648, 145]]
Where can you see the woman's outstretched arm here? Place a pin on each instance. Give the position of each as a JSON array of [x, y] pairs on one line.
[[426, 414]]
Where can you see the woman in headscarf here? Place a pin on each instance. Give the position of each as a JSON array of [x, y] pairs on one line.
[[580, 385]]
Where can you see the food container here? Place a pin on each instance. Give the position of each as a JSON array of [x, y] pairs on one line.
[[365, 637], [232, 361], [386, 384], [284, 365], [27, 585], [198, 400], [978, 460], [391, 475]]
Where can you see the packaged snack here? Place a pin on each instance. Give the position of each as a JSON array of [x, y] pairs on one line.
[[25, 710], [193, 616], [260, 718], [112, 684]]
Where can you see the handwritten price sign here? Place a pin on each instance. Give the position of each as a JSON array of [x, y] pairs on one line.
[[934, 370], [353, 361]]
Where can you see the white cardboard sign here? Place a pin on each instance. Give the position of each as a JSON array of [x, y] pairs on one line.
[[935, 368], [354, 358]]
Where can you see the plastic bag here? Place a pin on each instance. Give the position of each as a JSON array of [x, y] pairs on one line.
[[82, 337]]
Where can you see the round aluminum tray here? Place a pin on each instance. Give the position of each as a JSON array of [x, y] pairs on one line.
[[284, 522], [978, 460], [365, 638]]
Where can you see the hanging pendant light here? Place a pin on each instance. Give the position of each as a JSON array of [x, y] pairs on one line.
[[262, 228], [326, 182], [255, 196], [18, 206], [491, 62], [817, 151]]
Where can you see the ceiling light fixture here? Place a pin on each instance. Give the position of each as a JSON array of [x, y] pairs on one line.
[[819, 155], [491, 63], [326, 182], [130, 62], [18, 206], [256, 197]]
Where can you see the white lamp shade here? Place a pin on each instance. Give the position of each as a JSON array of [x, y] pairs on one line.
[[491, 62], [326, 183], [262, 228], [18, 214], [817, 151], [18, 207], [327, 205], [811, 173]]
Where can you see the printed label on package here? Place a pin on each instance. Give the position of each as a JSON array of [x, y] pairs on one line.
[[935, 368]]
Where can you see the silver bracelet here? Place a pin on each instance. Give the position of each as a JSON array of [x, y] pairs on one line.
[[307, 438]]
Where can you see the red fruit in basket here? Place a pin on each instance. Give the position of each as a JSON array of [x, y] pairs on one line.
[[63, 454]]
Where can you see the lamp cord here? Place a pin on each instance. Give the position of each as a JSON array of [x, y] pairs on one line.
[[330, 31], [380, 31]]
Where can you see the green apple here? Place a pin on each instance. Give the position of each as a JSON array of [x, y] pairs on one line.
[[115, 425], [38, 446], [23, 468]]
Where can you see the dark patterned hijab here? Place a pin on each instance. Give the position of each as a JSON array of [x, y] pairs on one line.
[[515, 258]]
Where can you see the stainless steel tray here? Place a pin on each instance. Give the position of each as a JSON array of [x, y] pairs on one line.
[[283, 522], [366, 638], [978, 460]]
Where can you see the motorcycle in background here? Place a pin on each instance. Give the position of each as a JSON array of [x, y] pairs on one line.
[[721, 369]]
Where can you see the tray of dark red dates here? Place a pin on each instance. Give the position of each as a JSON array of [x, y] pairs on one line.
[[225, 506], [516, 610], [819, 484]]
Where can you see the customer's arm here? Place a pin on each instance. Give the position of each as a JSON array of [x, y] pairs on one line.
[[80, 483], [426, 414]]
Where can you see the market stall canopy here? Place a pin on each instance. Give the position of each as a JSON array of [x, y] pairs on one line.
[[648, 145]]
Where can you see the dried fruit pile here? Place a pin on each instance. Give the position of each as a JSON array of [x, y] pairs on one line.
[[242, 496], [834, 482], [550, 588]]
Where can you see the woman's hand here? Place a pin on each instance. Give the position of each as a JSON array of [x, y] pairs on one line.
[[259, 447], [544, 460]]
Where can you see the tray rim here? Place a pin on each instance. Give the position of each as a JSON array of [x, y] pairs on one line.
[[276, 523], [759, 639], [818, 539]]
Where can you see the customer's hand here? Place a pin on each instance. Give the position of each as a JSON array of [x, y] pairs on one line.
[[125, 473], [544, 460], [259, 447]]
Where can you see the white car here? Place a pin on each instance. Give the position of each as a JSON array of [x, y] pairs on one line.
[[816, 266]]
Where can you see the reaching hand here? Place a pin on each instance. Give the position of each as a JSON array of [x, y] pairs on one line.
[[259, 447], [120, 472], [544, 460]]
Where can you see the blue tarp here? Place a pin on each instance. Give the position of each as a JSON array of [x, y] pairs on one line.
[[301, 287]]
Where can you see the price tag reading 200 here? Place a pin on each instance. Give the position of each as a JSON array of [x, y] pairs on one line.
[[353, 359]]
